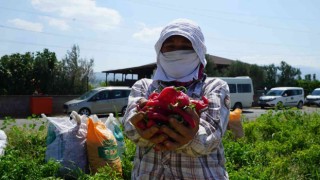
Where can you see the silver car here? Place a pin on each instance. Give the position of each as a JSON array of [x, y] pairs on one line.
[[100, 100]]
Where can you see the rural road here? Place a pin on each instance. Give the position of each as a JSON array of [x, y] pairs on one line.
[[248, 113]]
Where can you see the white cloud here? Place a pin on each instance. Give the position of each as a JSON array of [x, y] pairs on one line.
[[58, 23], [27, 25], [84, 12], [147, 34]]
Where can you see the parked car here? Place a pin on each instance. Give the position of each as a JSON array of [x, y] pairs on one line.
[[313, 98], [283, 96], [100, 100]]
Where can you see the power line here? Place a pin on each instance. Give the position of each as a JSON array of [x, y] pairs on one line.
[[179, 10], [140, 54], [120, 44], [70, 36], [224, 19], [65, 47], [42, 14], [166, 5]]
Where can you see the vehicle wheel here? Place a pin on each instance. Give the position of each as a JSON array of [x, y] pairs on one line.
[[262, 107], [123, 111], [300, 105], [237, 106], [318, 105], [85, 111]]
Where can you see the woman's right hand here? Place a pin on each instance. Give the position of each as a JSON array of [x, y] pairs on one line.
[[151, 134]]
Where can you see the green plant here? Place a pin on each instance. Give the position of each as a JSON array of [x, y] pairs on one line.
[[278, 145], [25, 151]]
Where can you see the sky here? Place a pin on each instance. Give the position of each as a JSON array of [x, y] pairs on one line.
[[122, 33]]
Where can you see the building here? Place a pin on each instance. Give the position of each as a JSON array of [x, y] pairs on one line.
[[130, 75]]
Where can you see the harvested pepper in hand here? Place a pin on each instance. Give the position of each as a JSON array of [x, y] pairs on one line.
[[200, 106], [171, 101]]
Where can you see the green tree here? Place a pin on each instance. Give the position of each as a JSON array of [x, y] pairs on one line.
[[307, 77], [17, 70], [270, 75], [211, 68], [308, 85], [78, 71], [288, 74], [238, 68], [257, 75], [43, 71]]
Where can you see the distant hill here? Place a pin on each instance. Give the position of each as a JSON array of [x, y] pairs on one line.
[[101, 77], [98, 78]]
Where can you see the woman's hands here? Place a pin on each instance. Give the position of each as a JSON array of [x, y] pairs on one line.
[[172, 136], [179, 134], [151, 133]]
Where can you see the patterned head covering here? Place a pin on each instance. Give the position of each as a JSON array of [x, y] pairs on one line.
[[187, 29]]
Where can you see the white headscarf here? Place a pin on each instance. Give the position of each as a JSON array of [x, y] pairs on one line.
[[189, 30]]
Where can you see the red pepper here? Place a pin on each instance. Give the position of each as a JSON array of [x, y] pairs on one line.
[[170, 102], [200, 105], [168, 95], [153, 95], [205, 100], [164, 112], [182, 99], [157, 116], [184, 115], [157, 103]]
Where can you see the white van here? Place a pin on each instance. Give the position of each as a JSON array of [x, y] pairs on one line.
[[313, 98], [241, 91], [284, 96], [100, 100]]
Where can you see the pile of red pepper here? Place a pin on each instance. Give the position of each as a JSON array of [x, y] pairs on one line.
[[170, 102]]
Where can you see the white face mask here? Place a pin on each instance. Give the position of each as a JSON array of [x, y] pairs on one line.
[[178, 64]]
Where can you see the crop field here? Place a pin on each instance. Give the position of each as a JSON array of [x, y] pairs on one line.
[[280, 144]]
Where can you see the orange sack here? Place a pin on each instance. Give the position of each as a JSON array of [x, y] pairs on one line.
[[235, 123], [102, 147]]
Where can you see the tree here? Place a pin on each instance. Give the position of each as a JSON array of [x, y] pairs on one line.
[[41, 71], [17, 71], [257, 75], [211, 68], [307, 77], [44, 72], [238, 68], [288, 74], [271, 76], [78, 71]]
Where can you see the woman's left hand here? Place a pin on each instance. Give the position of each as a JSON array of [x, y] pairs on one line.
[[180, 134]]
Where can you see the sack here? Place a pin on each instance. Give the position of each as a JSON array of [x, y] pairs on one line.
[[3, 142], [102, 147], [66, 143], [235, 123], [114, 126]]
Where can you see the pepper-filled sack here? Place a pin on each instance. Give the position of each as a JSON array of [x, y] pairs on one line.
[[66, 143], [102, 147], [235, 123]]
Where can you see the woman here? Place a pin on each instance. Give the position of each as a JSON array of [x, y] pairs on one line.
[[180, 151]]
